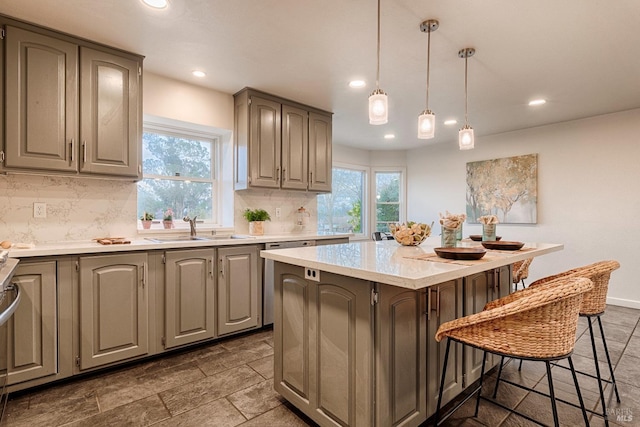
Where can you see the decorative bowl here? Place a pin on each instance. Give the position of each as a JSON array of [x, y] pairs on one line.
[[478, 237], [505, 246], [460, 253], [411, 233]]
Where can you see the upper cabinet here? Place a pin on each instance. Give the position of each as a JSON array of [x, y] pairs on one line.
[[70, 106], [281, 144]]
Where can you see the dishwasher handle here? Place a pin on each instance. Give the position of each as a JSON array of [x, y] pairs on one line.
[[8, 312]]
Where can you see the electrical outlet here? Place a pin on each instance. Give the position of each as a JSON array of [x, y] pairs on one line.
[[312, 274], [277, 212], [39, 210]]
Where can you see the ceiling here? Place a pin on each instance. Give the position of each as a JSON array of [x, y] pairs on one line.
[[580, 55]]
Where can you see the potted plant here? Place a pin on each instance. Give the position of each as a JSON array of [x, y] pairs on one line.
[[146, 219], [167, 218], [256, 218]]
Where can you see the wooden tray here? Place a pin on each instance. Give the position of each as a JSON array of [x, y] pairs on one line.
[[504, 246], [112, 240], [478, 237], [460, 253]]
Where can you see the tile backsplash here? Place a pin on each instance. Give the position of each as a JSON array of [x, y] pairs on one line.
[[85, 208]]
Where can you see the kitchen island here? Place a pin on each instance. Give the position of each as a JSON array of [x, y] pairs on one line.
[[354, 327]]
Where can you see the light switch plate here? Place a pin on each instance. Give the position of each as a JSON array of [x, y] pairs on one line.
[[312, 274]]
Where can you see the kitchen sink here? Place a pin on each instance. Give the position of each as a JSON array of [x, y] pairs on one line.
[[176, 239]]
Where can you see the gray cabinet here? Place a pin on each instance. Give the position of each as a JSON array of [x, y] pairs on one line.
[[71, 107], [444, 303], [323, 361], [238, 296], [189, 296], [280, 144], [33, 332], [114, 309]]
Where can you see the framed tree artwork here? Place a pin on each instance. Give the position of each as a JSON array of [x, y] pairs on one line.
[[504, 187]]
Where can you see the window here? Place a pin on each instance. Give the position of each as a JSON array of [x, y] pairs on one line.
[[389, 194], [342, 209], [179, 174]]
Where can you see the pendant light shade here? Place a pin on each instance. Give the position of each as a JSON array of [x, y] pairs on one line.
[[378, 102], [378, 107], [426, 125], [465, 136], [427, 120]]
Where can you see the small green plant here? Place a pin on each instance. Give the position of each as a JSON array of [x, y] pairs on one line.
[[256, 215], [147, 216]]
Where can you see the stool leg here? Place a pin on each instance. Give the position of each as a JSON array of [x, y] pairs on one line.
[[575, 381], [495, 390], [552, 395], [484, 361], [444, 373], [606, 352], [520, 366], [595, 357]]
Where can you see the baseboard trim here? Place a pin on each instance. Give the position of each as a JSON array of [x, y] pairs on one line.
[[623, 302]]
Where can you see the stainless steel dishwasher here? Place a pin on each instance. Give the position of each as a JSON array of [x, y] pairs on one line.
[[268, 284]]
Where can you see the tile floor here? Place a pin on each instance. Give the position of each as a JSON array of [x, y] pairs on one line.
[[229, 383]]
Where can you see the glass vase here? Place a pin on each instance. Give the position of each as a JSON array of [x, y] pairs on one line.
[[488, 232], [448, 237], [459, 232]]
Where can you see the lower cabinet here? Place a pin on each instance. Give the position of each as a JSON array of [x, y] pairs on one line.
[[114, 308], [239, 284], [32, 330], [190, 300], [325, 337]]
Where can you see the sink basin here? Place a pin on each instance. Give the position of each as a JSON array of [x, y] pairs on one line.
[[176, 239]]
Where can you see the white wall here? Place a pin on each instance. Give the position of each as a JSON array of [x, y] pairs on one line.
[[587, 192]]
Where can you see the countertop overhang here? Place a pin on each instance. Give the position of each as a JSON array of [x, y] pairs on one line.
[[143, 244], [389, 263]]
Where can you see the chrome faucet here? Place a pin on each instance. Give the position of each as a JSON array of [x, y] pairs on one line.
[[192, 224]]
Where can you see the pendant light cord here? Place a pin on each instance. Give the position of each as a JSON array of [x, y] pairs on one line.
[[466, 119], [428, 59], [378, 68]]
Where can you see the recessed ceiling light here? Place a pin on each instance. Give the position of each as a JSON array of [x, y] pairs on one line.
[[389, 136], [198, 73], [357, 84], [537, 102], [450, 122], [156, 4]]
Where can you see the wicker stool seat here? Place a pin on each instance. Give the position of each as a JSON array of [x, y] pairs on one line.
[[539, 326], [593, 304], [521, 271]]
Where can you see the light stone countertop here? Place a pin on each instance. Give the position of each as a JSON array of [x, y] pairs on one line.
[[143, 244], [390, 263]]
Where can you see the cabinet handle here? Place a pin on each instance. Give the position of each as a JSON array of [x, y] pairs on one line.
[[284, 174], [221, 267], [71, 150], [277, 174], [310, 177], [84, 151], [211, 267]]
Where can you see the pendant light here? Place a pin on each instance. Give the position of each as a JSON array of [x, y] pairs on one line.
[[427, 120], [378, 102], [465, 136]]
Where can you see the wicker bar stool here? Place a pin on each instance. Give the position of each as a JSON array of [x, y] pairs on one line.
[[593, 305], [521, 271], [539, 326]]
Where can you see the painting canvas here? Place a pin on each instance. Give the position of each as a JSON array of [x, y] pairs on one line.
[[504, 187]]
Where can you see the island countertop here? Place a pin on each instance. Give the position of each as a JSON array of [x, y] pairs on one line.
[[411, 267]]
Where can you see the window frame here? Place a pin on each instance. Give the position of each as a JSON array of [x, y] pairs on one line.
[[402, 202], [181, 129]]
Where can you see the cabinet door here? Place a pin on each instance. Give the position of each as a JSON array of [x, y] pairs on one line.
[[110, 113], [32, 330], [319, 152], [265, 140], [478, 290], [324, 346], [41, 101], [445, 304], [401, 364], [189, 296], [295, 145], [113, 308], [238, 283]]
